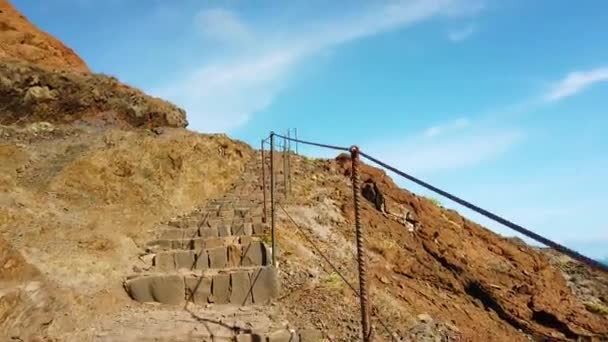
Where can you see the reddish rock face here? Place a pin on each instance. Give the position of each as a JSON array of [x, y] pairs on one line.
[[457, 270], [22, 40]]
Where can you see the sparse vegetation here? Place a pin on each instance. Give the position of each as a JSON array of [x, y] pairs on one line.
[[597, 308], [332, 280], [435, 201], [307, 160], [383, 245], [385, 303], [267, 238]]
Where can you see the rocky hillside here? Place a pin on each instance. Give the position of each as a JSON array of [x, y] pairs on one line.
[[90, 169], [433, 271], [43, 80], [20, 40], [589, 285], [28, 301], [75, 204], [29, 93], [78, 205]]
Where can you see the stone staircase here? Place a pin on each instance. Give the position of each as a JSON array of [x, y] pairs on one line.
[[217, 257]]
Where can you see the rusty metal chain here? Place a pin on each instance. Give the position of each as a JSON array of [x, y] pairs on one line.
[[340, 148], [355, 159], [361, 256], [337, 271], [539, 238]]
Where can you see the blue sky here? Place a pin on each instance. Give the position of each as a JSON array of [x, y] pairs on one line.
[[501, 102]]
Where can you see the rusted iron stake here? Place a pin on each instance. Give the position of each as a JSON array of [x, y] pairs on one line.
[[295, 132], [264, 181], [289, 161], [361, 257], [289, 139], [285, 166], [274, 245]]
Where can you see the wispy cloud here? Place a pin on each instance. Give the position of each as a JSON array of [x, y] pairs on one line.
[[436, 130], [456, 153], [221, 95], [461, 34], [463, 142], [576, 82], [468, 148], [222, 25]]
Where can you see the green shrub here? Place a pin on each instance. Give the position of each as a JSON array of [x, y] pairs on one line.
[[435, 201], [332, 280], [596, 308]]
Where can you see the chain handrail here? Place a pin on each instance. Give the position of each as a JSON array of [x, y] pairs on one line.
[[333, 147], [518, 228], [336, 270], [355, 153]]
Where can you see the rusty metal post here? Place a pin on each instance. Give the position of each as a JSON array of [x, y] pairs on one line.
[[361, 257], [272, 223], [289, 160], [289, 139], [285, 166], [263, 181], [295, 132]]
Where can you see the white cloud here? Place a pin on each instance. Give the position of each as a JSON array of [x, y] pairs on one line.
[[219, 96], [576, 82], [457, 124], [222, 25], [460, 152], [422, 156], [461, 34]]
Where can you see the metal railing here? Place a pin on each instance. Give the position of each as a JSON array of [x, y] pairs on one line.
[[355, 155]]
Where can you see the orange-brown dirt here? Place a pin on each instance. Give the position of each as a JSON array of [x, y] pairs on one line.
[[83, 184], [43, 80], [77, 203], [29, 93], [21, 40], [27, 300], [514, 281], [487, 287]]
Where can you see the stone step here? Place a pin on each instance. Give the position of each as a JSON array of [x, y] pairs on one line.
[[171, 233], [231, 210], [236, 212], [254, 253], [212, 229], [238, 287], [234, 222], [197, 243], [233, 202], [232, 215], [211, 221], [243, 204]]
